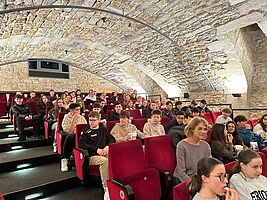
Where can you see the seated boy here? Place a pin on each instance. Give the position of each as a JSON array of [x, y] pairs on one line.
[[125, 131], [115, 115], [96, 140], [153, 127], [23, 113]]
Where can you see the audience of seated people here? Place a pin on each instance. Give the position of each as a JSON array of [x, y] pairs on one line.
[[247, 179], [188, 142], [221, 144], [124, 130], [153, 127], [246, 134], [225, 117], [23, 113], [96, 140], [69, 123], [261, 127], [210, 181], [191, 149]]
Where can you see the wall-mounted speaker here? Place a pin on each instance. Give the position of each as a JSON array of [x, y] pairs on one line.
[[186, 95], [236, 95]]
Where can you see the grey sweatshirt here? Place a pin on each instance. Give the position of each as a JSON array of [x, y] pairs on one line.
[[249, 189]]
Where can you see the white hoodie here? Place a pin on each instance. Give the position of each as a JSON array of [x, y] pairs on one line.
[[249, 189]]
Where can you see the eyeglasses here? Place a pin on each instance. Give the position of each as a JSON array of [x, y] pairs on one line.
[[222, 177], [180, 117]]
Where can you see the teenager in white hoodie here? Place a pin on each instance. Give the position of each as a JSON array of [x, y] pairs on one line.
[[247, 179]]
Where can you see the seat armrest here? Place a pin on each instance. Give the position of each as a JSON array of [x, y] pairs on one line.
[[81, 162], [83, 151], [127, 188]]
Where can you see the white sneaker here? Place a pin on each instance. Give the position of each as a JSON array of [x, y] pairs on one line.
[[55, 148], [106, 194], [64, 165]]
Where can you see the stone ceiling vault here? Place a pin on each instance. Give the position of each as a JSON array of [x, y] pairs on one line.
[[179, 45]]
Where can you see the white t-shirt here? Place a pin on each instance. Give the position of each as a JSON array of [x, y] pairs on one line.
[[221, 120], [249, 189]]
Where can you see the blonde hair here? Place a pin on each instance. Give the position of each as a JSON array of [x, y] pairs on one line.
[[189, 129]]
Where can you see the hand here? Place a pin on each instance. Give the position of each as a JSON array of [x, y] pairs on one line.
[[231, 194], [247, 126], [230, 137], [30, 117], [105, 151], [26, 118], [127, 138], [99, 151]]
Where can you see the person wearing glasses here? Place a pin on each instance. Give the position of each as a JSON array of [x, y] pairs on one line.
[[191, 149], [69, 123], [210, 181], [96, 140], [247, 179], [179, 121]]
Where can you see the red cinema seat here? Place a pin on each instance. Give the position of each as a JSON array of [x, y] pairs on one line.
[[253, 122], [59, 138], [139, 123], [229, 167], [264, 163], [1, 196], [207, 116], [136, 114], [130, 176], [165, 120], [81, 157], [161, 155], [110, 106], [180, 192], [264, 150], [110, 125], [215, 115], [3, 108]]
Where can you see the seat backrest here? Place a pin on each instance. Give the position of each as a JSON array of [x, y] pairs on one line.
[[110, 106], [165, 120], [229, 167], [180, 192], [136, 114], [109, 112], [139, 123], [253, 122], [3, 98], [126, 158], [60, 117], [264, 150], [207, 116], [33, 107], [215, 115], [110, 125], [160, 154], [264, 163], [47, 108], [80, 128]]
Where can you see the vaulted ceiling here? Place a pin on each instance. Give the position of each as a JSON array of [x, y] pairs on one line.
[[179, 45]]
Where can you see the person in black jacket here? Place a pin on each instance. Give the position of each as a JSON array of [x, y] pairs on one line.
[[115, 115], [179, 121], [23, 113], [96, 140]]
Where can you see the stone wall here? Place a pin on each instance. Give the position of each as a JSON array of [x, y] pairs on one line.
[[15, 77]]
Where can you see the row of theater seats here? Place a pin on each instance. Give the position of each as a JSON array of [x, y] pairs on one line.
[[180, 192]]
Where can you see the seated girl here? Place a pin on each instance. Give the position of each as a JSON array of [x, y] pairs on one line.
[[190, 150], [210, 182], [261, 127], [221, 144], [231, 128], [247, 179]]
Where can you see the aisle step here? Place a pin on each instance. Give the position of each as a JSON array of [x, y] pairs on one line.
[[39, 181], [25, 158], [9, 144]]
